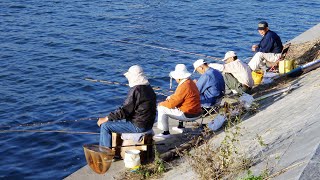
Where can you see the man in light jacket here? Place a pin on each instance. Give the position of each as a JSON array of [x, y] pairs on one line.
[[138, 112], [236, 74]]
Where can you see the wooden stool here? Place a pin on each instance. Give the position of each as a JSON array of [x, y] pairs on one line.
[[145, 146]]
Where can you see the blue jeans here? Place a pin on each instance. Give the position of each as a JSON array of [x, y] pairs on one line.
[[121, 126]]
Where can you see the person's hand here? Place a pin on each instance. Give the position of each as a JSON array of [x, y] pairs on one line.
[[102, 120], [195, 80], [254, 47], [168, 98]]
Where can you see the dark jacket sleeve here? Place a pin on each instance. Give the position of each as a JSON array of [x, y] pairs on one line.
[[125, 111], [266, 44]]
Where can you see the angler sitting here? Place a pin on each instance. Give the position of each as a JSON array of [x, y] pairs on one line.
[[138, 112], [268, 50], [210, 84], [183, 105], [236, 74]]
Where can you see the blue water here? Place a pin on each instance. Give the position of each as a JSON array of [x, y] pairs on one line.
[[48, 48]]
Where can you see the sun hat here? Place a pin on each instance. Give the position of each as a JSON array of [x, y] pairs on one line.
[[198, 63], [136, 76], [262, 25], [228, 55], [134, 70], [180, 72]]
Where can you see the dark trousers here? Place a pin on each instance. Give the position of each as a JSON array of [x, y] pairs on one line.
[[233, 84]]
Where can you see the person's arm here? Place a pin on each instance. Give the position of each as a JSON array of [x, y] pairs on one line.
[[127, 108], [267, 43], [175, 99], [201, 86], [102, 120], [230, 67], [254, 47]]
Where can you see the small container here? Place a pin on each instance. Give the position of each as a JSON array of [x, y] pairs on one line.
[[99, 158], [132, 158], [286, 66], [257, 77]]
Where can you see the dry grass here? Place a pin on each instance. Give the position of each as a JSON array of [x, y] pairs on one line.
[[149, 171], [227, 160]]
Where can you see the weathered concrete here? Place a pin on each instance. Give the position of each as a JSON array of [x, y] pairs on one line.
[[290, 127], [309, 35]]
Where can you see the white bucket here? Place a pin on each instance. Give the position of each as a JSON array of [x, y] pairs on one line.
[[132, 158]]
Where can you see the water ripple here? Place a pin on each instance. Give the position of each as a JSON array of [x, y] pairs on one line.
[[48, 48]]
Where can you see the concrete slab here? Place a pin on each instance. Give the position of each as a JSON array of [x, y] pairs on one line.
[[290, 127], [312, 171], [309, 35]]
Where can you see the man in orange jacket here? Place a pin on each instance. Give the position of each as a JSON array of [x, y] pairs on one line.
[[183, 105]]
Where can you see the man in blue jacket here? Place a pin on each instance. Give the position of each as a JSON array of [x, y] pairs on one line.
[[210, 84], [268, 50]]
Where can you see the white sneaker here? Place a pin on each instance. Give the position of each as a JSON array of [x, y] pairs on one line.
[[179, 130], [162, 136]]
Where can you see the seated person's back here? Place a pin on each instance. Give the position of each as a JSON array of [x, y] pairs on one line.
[[210, 84]]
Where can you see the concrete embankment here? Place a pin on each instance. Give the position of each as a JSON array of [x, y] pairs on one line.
[[289, 125]]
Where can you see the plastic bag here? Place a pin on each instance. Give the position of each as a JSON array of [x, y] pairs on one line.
[[217, 122], [247, 100]]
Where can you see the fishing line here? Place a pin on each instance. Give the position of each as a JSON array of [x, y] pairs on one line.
[[51, 122], [48, 131], [157, 88], [169, 49], [116, 83]]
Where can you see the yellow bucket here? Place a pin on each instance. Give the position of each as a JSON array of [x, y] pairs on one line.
[[257, 77], [286, 66]]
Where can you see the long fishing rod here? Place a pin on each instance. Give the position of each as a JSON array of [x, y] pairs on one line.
[[134, 145], [50, 122], [169, 49], [117, 83], [48, 131]]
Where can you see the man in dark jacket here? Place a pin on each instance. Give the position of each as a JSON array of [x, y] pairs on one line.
[[138, 112], [268, 50]]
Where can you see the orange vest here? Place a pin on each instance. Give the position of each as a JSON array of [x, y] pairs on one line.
[[186, 98]]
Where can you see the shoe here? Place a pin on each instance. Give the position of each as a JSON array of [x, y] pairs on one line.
[[177, 129], [162, 136]]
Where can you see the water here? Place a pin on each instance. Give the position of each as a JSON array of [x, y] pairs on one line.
[[48, 48]]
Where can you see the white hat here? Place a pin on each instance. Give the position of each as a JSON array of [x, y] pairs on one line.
[[180, 72], [134, 71], [198, 63], [136, 76], [229, 54]]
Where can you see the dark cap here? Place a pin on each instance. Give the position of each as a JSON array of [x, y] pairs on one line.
[[262, 25]]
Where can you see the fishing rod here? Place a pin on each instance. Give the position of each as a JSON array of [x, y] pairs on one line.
[[48, 131], [134, 145], [50, 122], [117, 83], [169, 49]]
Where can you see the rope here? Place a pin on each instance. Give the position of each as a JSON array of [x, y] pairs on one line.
[[48, 131], [169, 49]]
